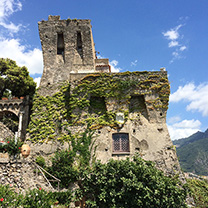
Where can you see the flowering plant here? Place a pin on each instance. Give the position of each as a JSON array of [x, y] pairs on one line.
[[11, 146], [37, 198], [8, 198]]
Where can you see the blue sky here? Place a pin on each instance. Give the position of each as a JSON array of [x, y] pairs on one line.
[[135, 35]]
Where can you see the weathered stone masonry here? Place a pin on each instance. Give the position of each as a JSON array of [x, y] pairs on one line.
[[68, 47], [127, 110]]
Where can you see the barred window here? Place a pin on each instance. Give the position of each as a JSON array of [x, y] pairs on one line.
[[120, 142]]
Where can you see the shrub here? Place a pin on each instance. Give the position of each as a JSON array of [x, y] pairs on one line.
[[41, 161], [199, 191], [63, 198], [66, 163], [37, 198], [10, 146], [126, 183], [62, 167], [8, 198]]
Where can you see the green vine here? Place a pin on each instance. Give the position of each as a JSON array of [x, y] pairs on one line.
[[73, 105]]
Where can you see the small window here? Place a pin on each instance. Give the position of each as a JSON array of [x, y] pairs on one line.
[[79, 44], [79, 41], [60, 44], [120, 142]]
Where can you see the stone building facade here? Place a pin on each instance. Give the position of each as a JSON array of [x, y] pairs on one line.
[[126, 110], [68, 48]]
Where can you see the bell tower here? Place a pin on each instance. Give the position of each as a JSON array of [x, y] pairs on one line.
[[68, 48]]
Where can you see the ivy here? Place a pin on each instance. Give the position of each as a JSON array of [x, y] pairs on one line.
[[52, 116]]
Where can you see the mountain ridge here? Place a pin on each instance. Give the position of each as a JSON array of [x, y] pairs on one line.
[[193, 153]]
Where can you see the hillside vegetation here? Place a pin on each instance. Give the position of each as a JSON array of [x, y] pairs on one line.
[[193, 153]]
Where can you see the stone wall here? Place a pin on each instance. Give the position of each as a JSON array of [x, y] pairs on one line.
[[5, 132], [142, 99], [68, 47], [21, 174]]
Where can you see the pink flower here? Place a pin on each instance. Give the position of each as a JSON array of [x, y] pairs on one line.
[[8, 142], [19, 147], [1, 199], [39, 188]]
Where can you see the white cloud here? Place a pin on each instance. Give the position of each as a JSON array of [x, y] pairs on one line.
[[175, 39], [173, 44], [174, 119], [32, 59], [178, 133], [196, 96], [7, 8], [134, 63], [188, 124], [172, 34], [37, 80], [114, 67], [182, 48], [182, 129], [11, 47], [175, 54]]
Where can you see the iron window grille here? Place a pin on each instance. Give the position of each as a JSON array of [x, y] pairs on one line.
[[120, 142]]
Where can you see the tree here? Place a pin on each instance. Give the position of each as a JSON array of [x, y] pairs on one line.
[[126, 183], [15, 80]]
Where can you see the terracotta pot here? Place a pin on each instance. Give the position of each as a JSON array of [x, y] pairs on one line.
[[25, 150], [4, 98]]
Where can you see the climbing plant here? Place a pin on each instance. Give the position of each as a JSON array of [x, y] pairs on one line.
[[67, 163], [53, 115]]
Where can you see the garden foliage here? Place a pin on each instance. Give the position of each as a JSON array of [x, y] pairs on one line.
[[12, 147], [199, 191], [117, 184], [66, 163], [127, 183]]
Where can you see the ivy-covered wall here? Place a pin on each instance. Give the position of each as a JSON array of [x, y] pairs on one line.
[[94, 100]]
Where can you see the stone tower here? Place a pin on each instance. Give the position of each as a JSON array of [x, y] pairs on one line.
[[126, 110], [68, 48]]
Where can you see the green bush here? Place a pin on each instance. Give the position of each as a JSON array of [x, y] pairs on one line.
[[41, 161], [8, 198], [199, 191], [37, 198], [62, 167], [126, 183], [66, 163], [9, 145], [63, 198]]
